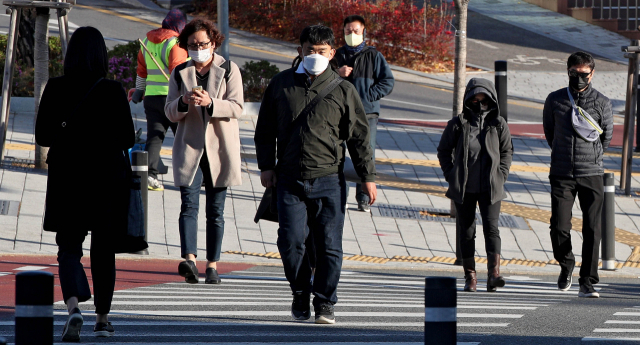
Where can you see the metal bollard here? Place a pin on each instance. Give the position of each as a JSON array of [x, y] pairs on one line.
[[608, 248], [140, 167], [440, 310], [34, 308], [501, 87]]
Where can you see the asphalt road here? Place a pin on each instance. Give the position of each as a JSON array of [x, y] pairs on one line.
[[252, 306]]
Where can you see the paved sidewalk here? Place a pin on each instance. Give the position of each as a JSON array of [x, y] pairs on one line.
[[409, 178]]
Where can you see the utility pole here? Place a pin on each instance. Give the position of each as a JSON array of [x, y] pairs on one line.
[[631, 52], [459, 81], [223, 25]]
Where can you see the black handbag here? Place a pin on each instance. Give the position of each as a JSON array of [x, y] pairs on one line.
[[133, 240], [268, 208]]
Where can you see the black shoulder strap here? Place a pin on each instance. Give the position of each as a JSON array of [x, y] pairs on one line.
[[227, 70], [176, 73], [299, 119]]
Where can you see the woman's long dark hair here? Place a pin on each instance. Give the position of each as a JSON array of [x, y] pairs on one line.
[[86, 54]]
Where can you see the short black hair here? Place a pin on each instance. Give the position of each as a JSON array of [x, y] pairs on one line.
[[86, 54], [354, 18], [317, 34], [581, 58]]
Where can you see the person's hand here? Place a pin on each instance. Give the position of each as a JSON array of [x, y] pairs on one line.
[[345, 71], [201, 98], [186, 98], [268, 178], [137, 96], [369, 188]]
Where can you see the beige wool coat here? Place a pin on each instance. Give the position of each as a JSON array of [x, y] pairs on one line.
[[219, 133]]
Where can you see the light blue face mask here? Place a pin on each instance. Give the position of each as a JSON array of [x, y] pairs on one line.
[[315, 64], [200, 55]]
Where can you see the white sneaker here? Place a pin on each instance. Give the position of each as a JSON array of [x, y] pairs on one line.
[[154, 184]]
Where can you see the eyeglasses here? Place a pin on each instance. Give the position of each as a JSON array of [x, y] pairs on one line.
[[574, 73], [483, 102], [198, 46]]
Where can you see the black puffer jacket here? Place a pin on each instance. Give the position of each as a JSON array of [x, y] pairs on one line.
[[453, 149], [572, 156]]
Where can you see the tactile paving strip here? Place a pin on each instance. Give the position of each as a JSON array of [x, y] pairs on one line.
[[439, 215]]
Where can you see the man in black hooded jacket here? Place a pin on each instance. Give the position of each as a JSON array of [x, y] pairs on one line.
[[577, 168]]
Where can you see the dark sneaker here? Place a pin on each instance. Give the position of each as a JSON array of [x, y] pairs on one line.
[[363, 206], [103, 330], [211, 276], [564, 280], [300, 309], [189, 271], [587, 290], [324, 314], [71, 331]]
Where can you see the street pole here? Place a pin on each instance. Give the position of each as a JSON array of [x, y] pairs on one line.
[[223, 25], [629, 115]]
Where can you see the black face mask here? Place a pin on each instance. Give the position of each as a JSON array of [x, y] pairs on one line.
[[578, 83]]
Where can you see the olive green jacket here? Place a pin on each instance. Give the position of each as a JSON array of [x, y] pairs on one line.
[[316, 148]]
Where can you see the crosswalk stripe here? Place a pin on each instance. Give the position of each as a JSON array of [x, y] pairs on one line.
[[276, 343], [616, 330], [607, 339], [287, 304], [256, 313], [269, 323], [622, 313], [623, 322]]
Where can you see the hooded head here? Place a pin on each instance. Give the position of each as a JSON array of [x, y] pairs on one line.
[[175, 20], [86, 55], [481, 86]]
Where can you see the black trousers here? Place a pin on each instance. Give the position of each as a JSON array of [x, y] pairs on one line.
[[73, 279], [590, 191], [157, 126], [466, 224]]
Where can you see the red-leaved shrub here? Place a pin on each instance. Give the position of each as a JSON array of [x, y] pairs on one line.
[[407, 36]]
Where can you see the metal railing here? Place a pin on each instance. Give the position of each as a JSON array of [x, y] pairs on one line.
[[612, 5]]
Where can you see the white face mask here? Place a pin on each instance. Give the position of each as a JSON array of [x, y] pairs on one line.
[[200, 55], [315, 64], [353, 39]]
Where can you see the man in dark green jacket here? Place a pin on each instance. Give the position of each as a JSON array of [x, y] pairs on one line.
[[306, 159]]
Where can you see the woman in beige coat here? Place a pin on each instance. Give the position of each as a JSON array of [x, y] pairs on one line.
[[206, 102]]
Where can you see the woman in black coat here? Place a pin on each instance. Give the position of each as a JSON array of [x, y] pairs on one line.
[[86, 122]]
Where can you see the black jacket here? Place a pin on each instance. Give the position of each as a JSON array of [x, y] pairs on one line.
[[371, 76], [454, 146], [572, 156], [316, 149], [87, 142]]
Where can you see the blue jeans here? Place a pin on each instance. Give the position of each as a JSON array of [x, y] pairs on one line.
[[373, 129], [188, 222], [321, 201]]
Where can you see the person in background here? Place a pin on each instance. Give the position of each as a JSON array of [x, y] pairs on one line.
[[475, 154], [152, 86], [369, 72], [577, 169], [206, 104], [80, 102]]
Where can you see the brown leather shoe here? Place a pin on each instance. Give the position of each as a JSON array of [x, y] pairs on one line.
[[494, 280], [470, 281]]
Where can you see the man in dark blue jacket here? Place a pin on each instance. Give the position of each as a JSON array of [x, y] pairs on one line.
[[369, 72]]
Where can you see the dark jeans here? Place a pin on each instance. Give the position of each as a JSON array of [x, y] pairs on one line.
[[466, 224], [157, 126], [590, 191], [321, 201], [373, 130], [214, 208], [73, 279]]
